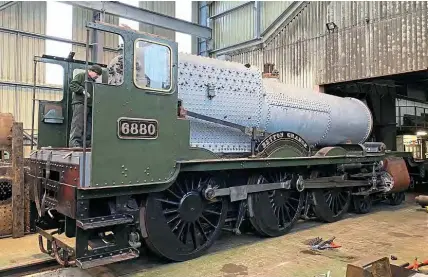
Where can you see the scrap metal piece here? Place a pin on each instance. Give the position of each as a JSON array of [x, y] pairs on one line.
[[18, 190], [6, 217], [422, 200], [324, 244], [6, 122], [370, 267], [375, 267], [313, 241]]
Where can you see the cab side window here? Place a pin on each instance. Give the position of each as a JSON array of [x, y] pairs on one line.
[[152, 66]]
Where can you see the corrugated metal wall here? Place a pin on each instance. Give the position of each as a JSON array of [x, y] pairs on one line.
[[17, 52], [80, 17], [234, 27], [373, 39], [16, 56], [239, 25], [163, 7], [271, 10], [254, 58], [18, 101]]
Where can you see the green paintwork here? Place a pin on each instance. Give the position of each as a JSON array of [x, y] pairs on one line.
[[153, 164], [286, 152], [249, 163], [53, 134], [130, 162]]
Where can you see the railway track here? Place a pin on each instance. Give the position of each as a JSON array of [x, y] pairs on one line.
[[31, 268]]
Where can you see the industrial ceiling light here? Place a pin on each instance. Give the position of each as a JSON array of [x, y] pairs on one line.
[[421, 133]]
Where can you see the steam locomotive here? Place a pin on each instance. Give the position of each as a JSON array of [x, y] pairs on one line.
[[185, 147]]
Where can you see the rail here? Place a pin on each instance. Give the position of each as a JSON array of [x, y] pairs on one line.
[[30, 268]]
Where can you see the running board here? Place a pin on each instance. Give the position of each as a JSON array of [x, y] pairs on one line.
[[104, 221], [107, 258]]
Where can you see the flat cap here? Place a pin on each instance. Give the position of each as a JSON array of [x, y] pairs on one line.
[[97, 69]]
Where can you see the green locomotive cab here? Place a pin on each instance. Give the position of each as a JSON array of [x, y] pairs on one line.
[[145, 182]]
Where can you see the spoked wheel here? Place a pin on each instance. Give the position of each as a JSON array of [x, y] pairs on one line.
[[362, 204], [331, 204], [396, 198], [274, 212], [178, 223]]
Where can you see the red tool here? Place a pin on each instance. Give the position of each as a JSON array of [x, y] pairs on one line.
[[416, 265]]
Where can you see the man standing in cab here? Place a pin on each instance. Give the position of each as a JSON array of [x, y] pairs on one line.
[[77, 89]]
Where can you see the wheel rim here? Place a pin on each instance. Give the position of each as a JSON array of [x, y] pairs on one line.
[[331, 204], [180, 224], [397, 198], [274, 212], [362, 204], [336, 200]]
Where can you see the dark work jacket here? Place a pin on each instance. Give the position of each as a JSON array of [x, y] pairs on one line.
[[77, 86]]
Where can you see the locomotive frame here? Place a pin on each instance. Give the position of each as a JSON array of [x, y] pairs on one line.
[[160, 193]]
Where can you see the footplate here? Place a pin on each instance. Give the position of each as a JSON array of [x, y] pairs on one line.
[[107, 258], [104, 221]]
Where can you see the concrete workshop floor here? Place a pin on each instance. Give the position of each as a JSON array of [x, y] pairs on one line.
[[387, 230]]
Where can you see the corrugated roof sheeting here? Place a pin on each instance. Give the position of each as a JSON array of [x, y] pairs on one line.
[[234, 27], [163, 7], [19, 101], [18, 65], [271, 10], [373, 39]]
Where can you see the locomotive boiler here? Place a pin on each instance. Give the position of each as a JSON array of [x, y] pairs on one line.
[[186, 147], [234, 93]]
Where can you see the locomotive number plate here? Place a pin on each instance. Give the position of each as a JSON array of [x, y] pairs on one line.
[[137, 128]]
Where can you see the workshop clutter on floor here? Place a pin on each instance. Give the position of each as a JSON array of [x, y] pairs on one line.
[[320, 244]]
